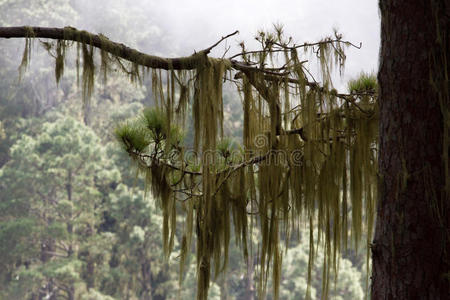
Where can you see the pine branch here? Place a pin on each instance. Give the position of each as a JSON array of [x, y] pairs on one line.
[[117, 49], [143, 59]]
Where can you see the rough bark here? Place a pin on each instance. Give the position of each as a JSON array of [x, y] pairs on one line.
[[411, 244]]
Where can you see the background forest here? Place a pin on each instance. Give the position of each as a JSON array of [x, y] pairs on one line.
[[75, 220]]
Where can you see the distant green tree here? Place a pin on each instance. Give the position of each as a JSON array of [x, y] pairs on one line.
[[51, 204], [137, 267]]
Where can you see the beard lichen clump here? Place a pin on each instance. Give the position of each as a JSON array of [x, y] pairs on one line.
[[308, 153], [313, 167], [317, 162]]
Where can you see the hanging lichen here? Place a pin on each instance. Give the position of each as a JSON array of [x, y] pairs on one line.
[[26, 56], [59, 60], [308, 153]]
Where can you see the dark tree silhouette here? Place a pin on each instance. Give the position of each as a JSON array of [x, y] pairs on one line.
[[410, 254]]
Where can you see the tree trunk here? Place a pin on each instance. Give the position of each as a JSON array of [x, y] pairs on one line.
[[71, 293], [146, 282], [411, 246]]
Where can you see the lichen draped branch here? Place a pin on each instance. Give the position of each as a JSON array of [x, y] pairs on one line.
[[307, 156]]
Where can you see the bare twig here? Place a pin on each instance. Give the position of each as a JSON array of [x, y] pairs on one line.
[[207, 50], [230, 170], [159, 161], [285, 47]]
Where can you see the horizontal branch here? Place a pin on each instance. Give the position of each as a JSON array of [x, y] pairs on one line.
[[285, 47], [156, 62], [140, 58], [120, 50], [145, 157], [99, 41], [312, 85]]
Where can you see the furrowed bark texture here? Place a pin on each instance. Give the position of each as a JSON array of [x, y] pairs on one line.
[[411, 244]]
